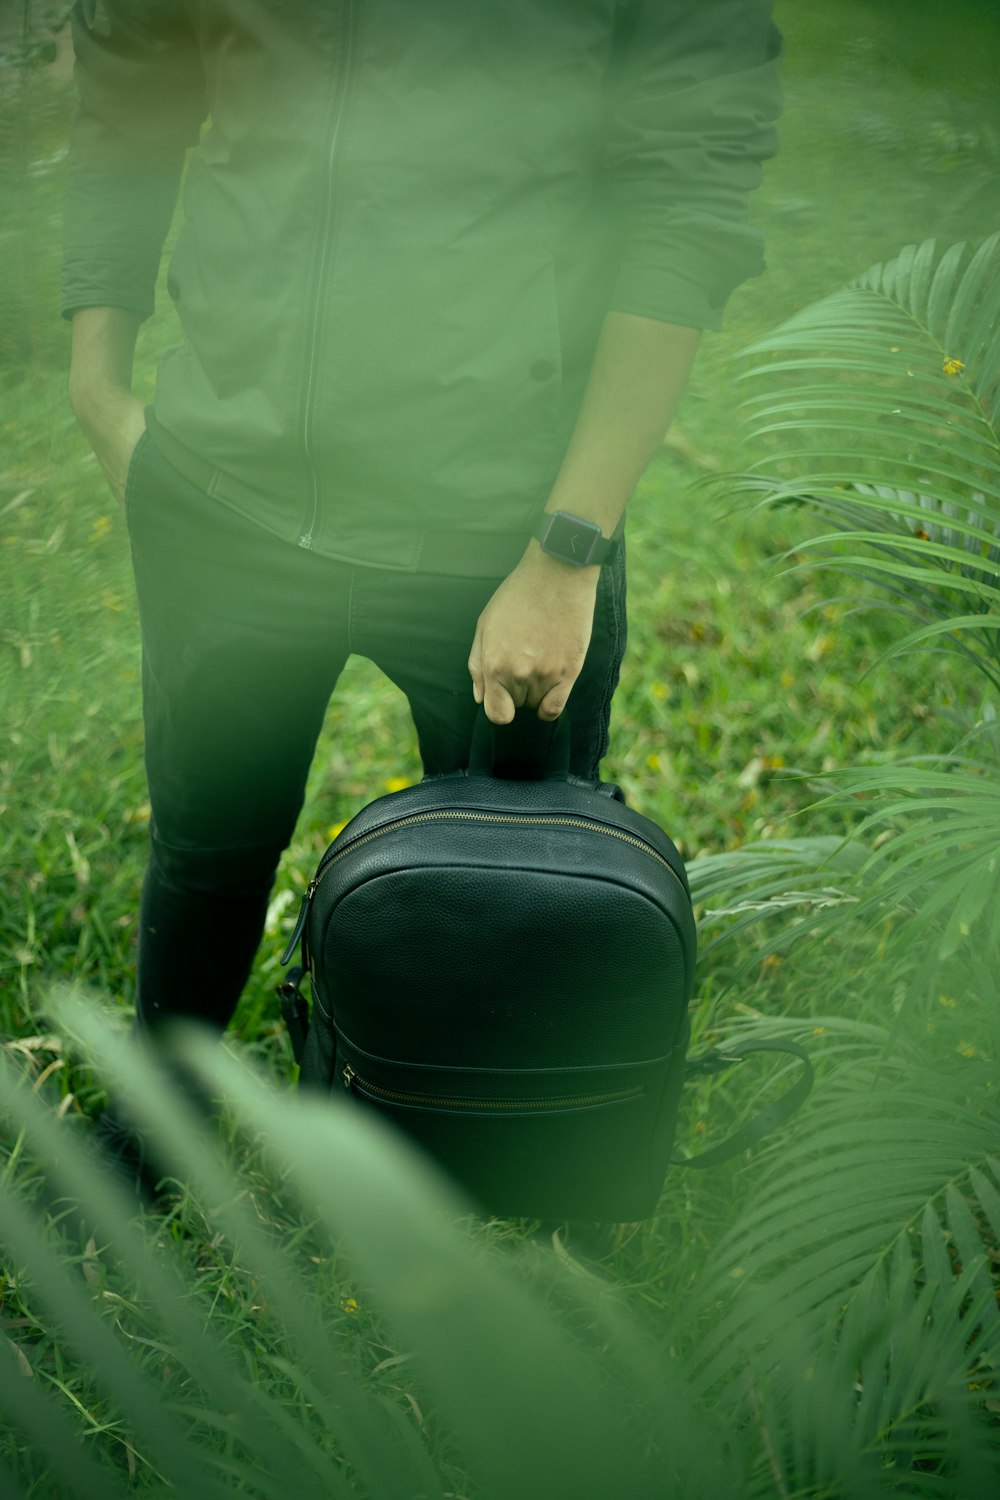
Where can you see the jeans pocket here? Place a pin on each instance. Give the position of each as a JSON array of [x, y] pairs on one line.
[[610, 607], [614, 625], [130, 477]]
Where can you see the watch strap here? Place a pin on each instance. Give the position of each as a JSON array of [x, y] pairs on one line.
[[584, 539]]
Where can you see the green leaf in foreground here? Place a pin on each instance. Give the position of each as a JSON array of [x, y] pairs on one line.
[[514, 1394]]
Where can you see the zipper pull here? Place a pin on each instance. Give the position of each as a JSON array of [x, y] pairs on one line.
[[300, 922], [348, 1075]]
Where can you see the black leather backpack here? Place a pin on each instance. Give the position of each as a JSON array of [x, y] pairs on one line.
[[501, 962]]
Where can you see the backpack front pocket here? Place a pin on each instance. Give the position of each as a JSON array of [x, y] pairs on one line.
[[523, 1143]]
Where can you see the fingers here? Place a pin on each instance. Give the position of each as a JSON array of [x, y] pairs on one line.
[[554, 702], [499, 704], [499, 701], [506, 682], [504, 695], [475, 665], [499, 697]]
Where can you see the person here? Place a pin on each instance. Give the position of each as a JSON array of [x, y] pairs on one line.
[[442, 274]]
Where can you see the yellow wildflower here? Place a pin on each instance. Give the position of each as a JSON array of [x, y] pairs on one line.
[[653, 762], [820, 645], [397, 783], [966, 1049], [658, 689], [349, 1305], [952, 366], [948, 1001], [334, 829], [100, 528]]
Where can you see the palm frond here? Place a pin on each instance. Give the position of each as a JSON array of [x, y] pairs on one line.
[[803, 888], [941, 584], [892, 1154], [851, 1311], [845, 1415], [521, 1394], [946, 312], [935, 861], [881, 410], [923, 561], [946, 859]]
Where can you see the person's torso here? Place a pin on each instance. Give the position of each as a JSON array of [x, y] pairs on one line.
[[394, 265]]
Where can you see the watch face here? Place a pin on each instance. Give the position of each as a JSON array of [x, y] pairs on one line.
[[570, 537]]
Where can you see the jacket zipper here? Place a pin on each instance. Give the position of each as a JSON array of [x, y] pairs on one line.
[[479, 817], [306, 537], [353, 1082]]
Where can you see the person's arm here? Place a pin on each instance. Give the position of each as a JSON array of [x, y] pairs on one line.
[[100, 387], [141, 100], [636, 382], [532, 638], [693, 97]]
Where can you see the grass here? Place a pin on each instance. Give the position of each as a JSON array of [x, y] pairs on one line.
[[741, 686]]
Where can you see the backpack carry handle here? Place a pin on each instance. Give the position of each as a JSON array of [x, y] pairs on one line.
[[526, 749]]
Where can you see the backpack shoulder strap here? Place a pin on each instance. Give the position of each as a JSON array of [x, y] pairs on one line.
[[776, 1114]]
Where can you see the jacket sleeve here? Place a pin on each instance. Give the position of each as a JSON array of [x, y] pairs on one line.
[[692, 108], [141, 101]]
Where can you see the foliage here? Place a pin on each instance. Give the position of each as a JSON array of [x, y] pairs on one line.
[[36, 42], [33, 115], [897, 376], [248, 1312], [833, 1345], [518, 1402]]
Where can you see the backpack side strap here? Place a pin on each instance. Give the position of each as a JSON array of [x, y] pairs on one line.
[[776, 1114], [295, 1010]]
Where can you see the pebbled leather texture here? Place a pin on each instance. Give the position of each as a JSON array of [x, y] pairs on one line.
[[512, 993]]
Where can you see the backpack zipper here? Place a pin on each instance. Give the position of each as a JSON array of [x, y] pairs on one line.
[[351, 1079], [479, 817]]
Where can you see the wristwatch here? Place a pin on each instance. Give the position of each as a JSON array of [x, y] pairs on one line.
[[575, 540]]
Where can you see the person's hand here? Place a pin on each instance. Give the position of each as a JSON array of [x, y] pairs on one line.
[[531, 639], [113, 425]]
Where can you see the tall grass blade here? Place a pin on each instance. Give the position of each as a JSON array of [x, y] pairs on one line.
[[521, 1400]]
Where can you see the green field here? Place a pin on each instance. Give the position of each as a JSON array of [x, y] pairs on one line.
[[745, 691]]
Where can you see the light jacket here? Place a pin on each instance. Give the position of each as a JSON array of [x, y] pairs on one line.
[[404, 223]]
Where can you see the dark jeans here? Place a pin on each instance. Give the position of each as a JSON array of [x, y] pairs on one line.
[[243, 639]]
